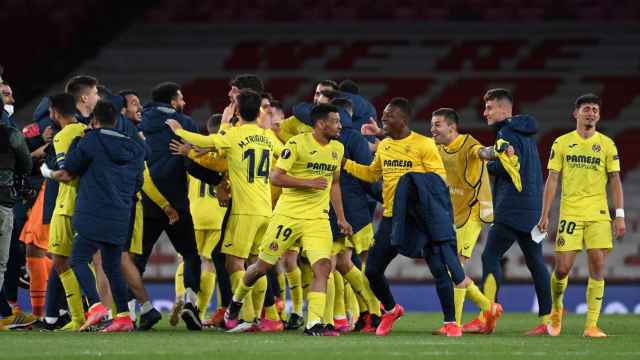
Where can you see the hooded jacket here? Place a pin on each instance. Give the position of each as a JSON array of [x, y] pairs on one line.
[[110, 166], [422, 213], [519, 210], [167, 171]]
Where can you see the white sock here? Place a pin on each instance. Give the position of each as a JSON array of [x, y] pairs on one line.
[[146, 307], [132, 309], [190, 296]]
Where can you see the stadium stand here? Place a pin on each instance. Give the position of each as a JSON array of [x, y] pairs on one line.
[[546, 72]]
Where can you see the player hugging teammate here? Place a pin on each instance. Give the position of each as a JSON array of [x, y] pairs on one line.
[[264, 202]]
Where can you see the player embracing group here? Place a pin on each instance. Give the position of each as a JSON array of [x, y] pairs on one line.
[[260, 202]]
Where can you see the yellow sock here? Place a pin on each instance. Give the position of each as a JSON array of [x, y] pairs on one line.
[[307, 277], [271, 313], [351, 301], [179, 280], [374, 303], [282, 283], [316, 301], [490, 290], [557, 291], [475, 295], [294, 279], [329, 300], [458, 301], [258, 293], [114, 308], [237, 285], [74, 295], [123, 314], [360, 286], [339, 310], [545, 319], [207, 285], [595, 293]]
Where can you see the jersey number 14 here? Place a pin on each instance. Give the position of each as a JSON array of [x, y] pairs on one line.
[[258, 168]]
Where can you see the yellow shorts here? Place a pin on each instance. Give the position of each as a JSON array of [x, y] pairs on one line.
[[206, 240], [314, 236], [577, 235], [244, 234], [136, 235], [60, 235], [338, 246], [467, 237], [360, 241]]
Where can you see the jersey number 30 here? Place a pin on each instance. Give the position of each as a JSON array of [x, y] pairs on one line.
[[262, 168]]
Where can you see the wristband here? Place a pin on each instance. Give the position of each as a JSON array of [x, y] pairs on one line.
[[620, 213], [45, 171]]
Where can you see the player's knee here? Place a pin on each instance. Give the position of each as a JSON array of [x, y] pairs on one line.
[[60, 264], [561, 271], [321, 268], [343, 264]]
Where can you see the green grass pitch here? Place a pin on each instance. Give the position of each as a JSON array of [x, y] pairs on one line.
[[411, 339]]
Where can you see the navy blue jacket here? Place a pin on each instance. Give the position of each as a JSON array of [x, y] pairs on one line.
[[6, 119], [110, 166], [422, 212], [41, 121], [362, 110], [518, 210], [167, 171], [354, 192]]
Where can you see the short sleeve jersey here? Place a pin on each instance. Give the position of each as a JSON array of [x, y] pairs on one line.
[[303, 157], [585, 165]]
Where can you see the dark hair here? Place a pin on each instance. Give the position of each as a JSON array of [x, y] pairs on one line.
[[588, 99], [165, 92], [249, 104], [248, 81], [277, 104], [402, 104], [331, 83], [127, 92], [63, 103], [498, 94], [321, 111], [214, 121], [104, 92], [343, 103], [449, 114], [77, 85], [330, 94], [105, 113], [349, 86], [266, 95]]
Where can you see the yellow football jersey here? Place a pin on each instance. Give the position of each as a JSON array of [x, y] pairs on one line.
[[468, 180], [584, 164], [205, 210], [66, 199], [291, 127], [248, 149], [394, 158], [303, 157]]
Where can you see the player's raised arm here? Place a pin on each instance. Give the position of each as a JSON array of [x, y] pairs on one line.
[[196, 139], [369, 173], [615, 186]]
